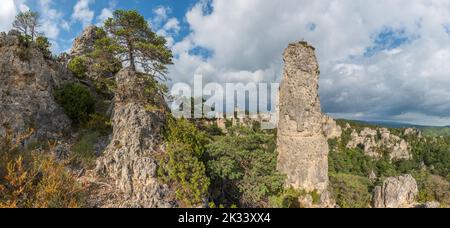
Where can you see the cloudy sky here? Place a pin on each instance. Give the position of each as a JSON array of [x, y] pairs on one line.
[[380, 60]]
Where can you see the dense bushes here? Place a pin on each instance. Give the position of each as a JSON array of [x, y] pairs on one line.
[[76, 101], [183, 165], [351, 191], [236, 169], [242, 167]]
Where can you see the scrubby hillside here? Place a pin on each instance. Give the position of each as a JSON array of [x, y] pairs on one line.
[[355, 170], [92, 129]]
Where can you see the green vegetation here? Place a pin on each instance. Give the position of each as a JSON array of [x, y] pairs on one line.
[[133, 39], [182, 166], [44, 45], [77, 102], [351, 167], [27, 23], [286, 199], [83, 152], [78, 66], [242, 167], [351, 191], [435, 132]]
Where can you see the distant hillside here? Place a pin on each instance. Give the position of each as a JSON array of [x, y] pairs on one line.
[[431, 131]]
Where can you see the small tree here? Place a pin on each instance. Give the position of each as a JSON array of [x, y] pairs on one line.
[[135, 43], [27, 23]]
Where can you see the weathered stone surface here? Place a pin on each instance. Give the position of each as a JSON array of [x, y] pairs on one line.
[[396, 192], [430, 205], [84, 43], [375, 140], [302, 146], [27, 82], [331, 129], [413, 132], [130, 160]]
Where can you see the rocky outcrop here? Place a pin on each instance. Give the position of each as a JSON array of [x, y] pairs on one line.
[[396, 192], [130, 160], [331, 129], [302, 145], [374, 141], [27, 82], [84, 43], [413, 132]]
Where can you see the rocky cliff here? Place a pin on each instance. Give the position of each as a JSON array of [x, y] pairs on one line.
[[27, 82], [85, 42], [130, 161], [376, 141], [302, 145]]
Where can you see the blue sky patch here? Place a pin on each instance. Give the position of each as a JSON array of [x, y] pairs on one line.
[[388, 39]]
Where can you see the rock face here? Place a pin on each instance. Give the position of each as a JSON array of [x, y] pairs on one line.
[[331, 129], [396, 192], [130, 160], [302, 145], [27, 82], [373, 141], [84, 43]]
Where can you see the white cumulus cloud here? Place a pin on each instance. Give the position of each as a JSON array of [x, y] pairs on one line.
[[82, 13], [379, 59]]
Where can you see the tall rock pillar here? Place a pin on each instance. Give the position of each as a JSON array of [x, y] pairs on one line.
[[131, 160], [302, 145]]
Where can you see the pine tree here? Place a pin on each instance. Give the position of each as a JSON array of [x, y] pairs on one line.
[[27, 23], [137, 45]]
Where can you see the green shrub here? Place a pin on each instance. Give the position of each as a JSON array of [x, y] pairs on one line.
[[351, 191], [287, 199], [182, 166], [44, 45], [76, 101], [78, 66]]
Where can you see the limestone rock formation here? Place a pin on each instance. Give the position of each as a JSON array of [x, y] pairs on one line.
[[396, 192], [331, 129], [302, 145], [413, 132], [84, 43], [131, 158], [27, 82], [374, 141]]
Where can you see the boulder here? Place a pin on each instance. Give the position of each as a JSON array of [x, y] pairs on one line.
[[396, 192]]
